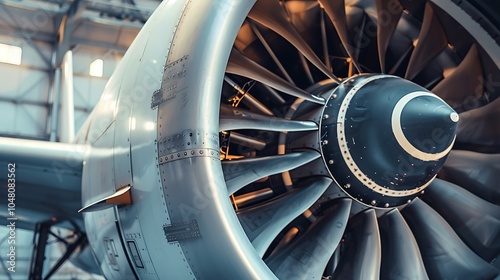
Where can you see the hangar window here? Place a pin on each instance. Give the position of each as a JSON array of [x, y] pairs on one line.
[[10, 54], [96, 68]]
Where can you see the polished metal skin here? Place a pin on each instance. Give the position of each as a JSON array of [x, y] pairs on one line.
[[181, 128], [167, 149]]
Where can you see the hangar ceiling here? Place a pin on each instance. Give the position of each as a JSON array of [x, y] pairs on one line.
[[102, 24]]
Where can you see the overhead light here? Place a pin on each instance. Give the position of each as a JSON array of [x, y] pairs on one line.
[[96, 68], [10, 54], [150, 126], [132, 123]]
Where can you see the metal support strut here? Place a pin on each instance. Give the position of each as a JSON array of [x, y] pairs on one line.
[[40, 241]]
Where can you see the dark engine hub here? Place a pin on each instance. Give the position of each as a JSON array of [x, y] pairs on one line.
[[385, 138]]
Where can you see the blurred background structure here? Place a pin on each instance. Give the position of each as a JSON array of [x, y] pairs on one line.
[[34, 37]]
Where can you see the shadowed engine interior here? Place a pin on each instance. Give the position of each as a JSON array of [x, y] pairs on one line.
[[360, 138]]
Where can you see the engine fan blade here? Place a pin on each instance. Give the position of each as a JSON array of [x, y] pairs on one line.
[[303, 15], [235, 118], [445, 255], [362, 255], [463, 82], [388, 14], [335, 9], [476, 221], [401, 59], [307, 257], [270, 51], [480, 126], [476, 172], [270, 14], [431, 41], [401, 258], [243, 66], [324, 41], [287, 239], [239, 173], [264, 222], [246, 141]]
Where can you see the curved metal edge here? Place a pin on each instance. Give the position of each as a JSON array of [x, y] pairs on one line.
[[475, 30], [190, 111]]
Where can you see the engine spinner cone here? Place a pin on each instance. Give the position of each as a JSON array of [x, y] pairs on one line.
[[385, 138]]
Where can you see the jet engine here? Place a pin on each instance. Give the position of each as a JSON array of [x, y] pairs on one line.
[[300, 139]]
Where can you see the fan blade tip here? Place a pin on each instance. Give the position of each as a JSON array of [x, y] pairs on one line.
[[385, 29], [342, 203], [432, 40]]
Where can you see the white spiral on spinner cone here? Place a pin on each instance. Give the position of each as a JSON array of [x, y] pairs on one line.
[[400, 136]]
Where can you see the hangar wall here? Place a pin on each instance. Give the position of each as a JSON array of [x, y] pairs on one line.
[[26, 94]]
